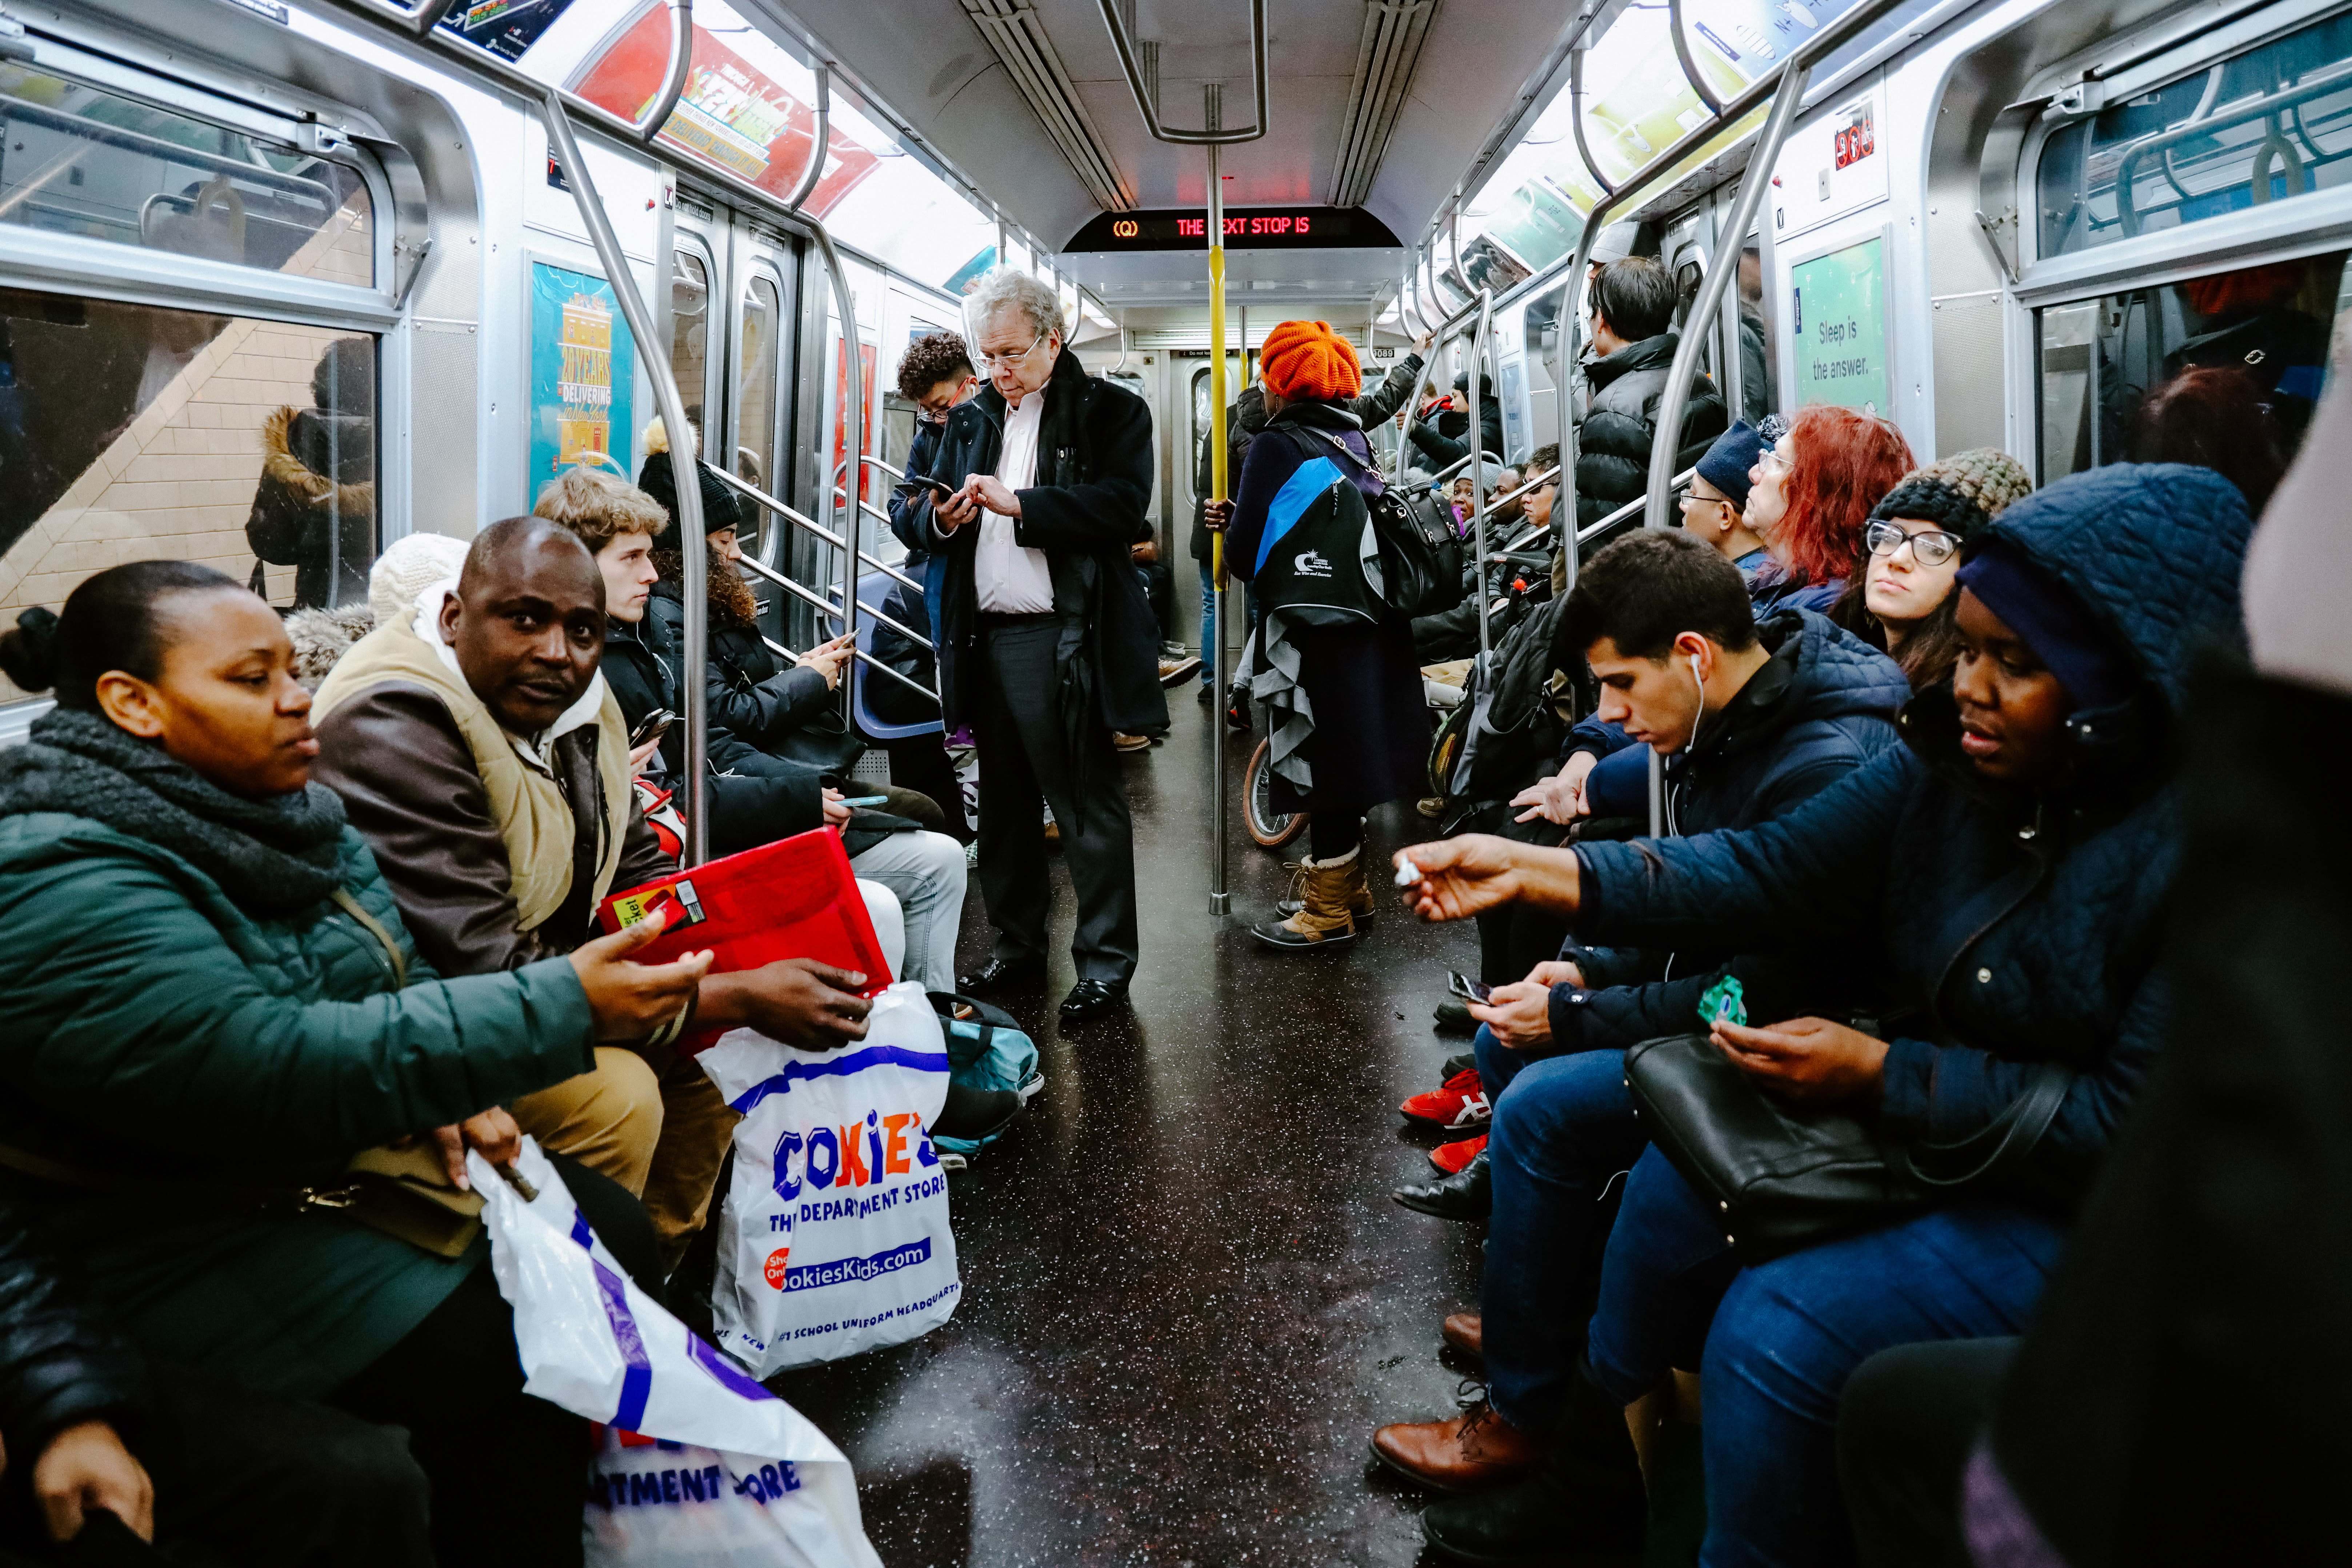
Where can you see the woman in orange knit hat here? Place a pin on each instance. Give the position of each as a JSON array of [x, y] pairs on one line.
[[1350, 700]]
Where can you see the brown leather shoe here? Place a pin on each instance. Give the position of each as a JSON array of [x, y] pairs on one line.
[[1476, 1449], [1466, 1334]]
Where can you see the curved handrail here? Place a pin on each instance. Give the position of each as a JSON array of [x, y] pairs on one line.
[[794, 515], [816, 170], [1219, 137], [681, 61]]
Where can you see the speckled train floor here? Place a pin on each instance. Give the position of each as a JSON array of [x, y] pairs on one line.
[[1188, 1298]]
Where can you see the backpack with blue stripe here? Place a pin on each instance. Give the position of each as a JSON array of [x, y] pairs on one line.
[[1329, 556], [986, 1050]]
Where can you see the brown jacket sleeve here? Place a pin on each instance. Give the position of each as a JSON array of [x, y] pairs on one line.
[[643, 860], [409, 785]]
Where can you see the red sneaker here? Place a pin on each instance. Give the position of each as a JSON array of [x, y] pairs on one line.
[[1451, 1158], [1459, 1107]]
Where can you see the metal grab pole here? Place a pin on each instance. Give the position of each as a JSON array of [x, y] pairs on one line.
[[694, 656], [854, 417], [1478, 464], [1218, 898], [1667, 438]]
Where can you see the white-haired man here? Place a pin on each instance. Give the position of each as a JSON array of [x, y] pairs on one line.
[[1046, 641]]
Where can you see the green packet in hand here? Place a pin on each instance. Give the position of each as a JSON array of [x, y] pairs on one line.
[[1723, 1000]]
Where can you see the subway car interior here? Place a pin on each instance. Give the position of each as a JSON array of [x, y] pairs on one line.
[[1693, 1203]]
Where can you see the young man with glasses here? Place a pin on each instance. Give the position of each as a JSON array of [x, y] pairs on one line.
[[1046, 641]]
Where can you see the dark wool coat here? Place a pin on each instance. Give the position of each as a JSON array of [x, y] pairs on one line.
[[1093, 485], [2016, 929]]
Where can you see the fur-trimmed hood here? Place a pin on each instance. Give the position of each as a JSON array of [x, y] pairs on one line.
[[281, 466]]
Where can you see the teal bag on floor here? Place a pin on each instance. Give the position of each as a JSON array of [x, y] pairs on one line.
[[986, 1050]]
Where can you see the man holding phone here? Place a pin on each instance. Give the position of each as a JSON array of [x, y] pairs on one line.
[[1046, 643]]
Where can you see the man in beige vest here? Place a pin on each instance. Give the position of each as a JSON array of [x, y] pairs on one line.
[[477, 749]]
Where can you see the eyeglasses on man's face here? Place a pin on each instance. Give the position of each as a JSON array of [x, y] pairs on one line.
[[1930, 547], [991, 362]]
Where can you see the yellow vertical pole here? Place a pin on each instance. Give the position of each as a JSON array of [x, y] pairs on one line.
[[1218, 479]]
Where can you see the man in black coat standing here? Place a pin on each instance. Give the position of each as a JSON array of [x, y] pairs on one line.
[[1046, 641]]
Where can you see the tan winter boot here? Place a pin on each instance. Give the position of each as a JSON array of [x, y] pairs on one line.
[[1361, 901], [1324, 919]]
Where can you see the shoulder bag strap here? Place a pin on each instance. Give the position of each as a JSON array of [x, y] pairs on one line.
[[375, 928], [2010, 1136]]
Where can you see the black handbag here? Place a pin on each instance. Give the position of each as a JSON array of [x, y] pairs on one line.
[[1784, 1176]]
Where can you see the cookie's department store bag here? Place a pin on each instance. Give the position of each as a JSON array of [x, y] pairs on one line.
[[835, 1238]]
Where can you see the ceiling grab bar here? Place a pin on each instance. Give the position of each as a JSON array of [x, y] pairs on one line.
[[688, 490], [1722, 267], [1213, 134], [1690, 66]]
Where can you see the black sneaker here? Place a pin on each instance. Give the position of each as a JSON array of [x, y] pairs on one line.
[[1454, 1017], [1453, 1064]]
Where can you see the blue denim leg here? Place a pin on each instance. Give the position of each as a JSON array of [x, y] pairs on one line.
[[1790, 1332], [1667, 1243], [1208, 629], [1559, 1139]]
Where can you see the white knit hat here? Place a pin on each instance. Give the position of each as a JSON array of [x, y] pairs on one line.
[[408, 566]]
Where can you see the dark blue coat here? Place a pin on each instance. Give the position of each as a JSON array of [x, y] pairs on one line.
[[2015, 928], [1823, 707]]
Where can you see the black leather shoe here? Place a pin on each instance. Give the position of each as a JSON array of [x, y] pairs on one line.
[[1454, 1017], [1467, 1194], [1453, 1064], [975, 1113], [1003, 975], [1582, 1508], [1092, 998]]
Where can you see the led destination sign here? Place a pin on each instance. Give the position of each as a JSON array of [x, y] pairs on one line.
[[1247, 228]]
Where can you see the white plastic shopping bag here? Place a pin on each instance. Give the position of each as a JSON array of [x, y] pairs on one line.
[[698, 1465], [835, 1238]]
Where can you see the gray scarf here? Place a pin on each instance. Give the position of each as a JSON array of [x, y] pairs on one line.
[[271, 857]]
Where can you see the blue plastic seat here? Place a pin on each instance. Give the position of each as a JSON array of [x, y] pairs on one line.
[[872, 589]]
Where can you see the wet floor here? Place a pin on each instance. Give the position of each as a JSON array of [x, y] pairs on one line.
[[1188, 1297]]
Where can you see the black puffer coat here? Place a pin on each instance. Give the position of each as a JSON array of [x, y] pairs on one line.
[[1619, 420], [785, 710], [1437, 447], [59, 1364]]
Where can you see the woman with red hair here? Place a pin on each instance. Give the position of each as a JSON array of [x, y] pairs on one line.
[[1810, 497], [1350, 730]]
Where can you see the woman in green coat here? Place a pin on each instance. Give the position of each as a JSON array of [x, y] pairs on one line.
[[204, 976]]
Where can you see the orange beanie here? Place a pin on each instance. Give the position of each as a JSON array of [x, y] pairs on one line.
[[1307, 360]]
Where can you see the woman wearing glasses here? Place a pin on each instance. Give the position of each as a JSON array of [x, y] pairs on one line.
[[1810, 496], [1904, 601]]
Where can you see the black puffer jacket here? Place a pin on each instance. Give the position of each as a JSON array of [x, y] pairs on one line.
[[1438, 448], [1619, 420], [786, 711], [59, 1364]]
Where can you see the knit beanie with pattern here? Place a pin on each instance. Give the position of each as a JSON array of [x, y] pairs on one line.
[[1958, 494]]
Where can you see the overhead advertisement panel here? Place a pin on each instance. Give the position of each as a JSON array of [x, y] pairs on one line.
[[1247, 228]]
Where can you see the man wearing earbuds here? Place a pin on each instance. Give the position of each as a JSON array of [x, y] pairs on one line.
[[1751, 719]]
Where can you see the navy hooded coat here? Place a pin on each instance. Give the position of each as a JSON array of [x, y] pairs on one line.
[[1907, 866]]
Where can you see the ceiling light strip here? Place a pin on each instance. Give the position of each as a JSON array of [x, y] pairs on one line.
[[1017, 35]]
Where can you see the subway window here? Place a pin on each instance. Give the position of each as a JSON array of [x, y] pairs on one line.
[[130, 431], [2271, 124], [2221, 370], [77, 159]]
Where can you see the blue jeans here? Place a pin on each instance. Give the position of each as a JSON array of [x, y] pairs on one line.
[[1208, 631], [1788, 1334], [1562, 1136], [1498, 1064]]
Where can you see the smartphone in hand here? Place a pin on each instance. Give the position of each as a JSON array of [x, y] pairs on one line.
[[1468, 989], [653, 727]]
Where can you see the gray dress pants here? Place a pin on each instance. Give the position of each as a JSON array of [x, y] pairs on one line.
[[1026, 759]]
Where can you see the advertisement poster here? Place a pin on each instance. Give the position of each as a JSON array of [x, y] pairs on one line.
[[733, 115], [583, 370], [1839, 313], [876, 480], [505, 27]]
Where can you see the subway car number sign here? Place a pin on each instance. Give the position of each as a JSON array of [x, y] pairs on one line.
[[1247, 228]]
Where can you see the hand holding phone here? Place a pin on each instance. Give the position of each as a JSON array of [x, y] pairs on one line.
[[653, 726]]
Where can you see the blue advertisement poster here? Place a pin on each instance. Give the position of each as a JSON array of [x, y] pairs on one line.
[[583, 370]]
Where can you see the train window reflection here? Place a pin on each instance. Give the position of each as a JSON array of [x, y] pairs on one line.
[[689, 337], [755, 393], [129, 432], [2221, 370], [2268, 125], [76, 159]]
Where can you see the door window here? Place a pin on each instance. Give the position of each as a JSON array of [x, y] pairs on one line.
[[2221, 370], [77, 158], [689, 337], [131, 432], [755, 397]]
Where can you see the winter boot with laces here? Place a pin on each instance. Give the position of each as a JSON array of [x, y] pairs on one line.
[[1361, 903], [1582, 1506], [1323, 919]]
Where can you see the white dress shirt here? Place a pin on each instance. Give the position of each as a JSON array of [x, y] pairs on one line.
[[1008, 578]]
